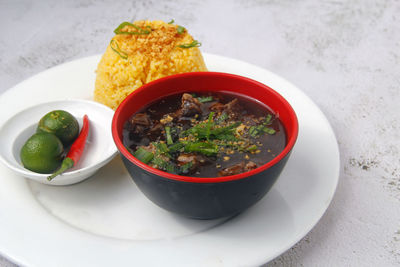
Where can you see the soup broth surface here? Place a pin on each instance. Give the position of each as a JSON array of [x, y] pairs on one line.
[[204, 135]]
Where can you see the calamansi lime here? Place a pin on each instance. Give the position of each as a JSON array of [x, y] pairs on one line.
[[42, 153], [60, 123]]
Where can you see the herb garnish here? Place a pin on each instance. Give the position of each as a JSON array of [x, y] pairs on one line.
[[171, 21], [209, 124], [180, 29], [117, 50], [255, 131], [205, 148], [143, 155], [195, 43], [222, 118], [185, 167], [168, 134], [139, 30], [204, 99]]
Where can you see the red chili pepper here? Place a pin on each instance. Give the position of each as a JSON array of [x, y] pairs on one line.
[[76, 150]]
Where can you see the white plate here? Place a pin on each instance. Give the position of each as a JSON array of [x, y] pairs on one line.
[[106, 221]]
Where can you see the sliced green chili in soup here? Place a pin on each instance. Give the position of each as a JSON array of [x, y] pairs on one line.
[[204, 135]]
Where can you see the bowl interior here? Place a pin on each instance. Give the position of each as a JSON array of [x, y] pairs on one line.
[[204, 82]]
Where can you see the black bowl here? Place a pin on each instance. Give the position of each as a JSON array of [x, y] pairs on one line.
[[213, 197]]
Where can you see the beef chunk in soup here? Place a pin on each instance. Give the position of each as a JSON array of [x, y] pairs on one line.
[[190, 106], [237, 168], [232, 108], [139, 123], [192, 161]]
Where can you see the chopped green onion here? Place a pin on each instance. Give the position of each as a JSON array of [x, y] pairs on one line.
[[162, 164], [209, 123], [208, 149], [251, 148], [254, 131], [221, 118], [204, 99], [139, 31], [169, 137], [117, 50], [195, 43], [268, 120], [202, 131], [161, 148], [143, 155], [176, 147], [269, 130], [180, 29], [185, 167], [159, 162], [225, 131], [170, 168], [171, 21]]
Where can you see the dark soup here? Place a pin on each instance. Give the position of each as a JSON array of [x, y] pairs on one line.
[[204, 135]]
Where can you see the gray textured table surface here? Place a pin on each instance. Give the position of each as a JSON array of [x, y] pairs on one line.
[[345, 55]]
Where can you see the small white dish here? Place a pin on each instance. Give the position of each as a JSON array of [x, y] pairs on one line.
[[99, 149]]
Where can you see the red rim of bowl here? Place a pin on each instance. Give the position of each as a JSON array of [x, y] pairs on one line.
[[290, 143]]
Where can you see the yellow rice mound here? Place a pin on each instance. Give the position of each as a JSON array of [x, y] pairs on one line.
[[134, 60]]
